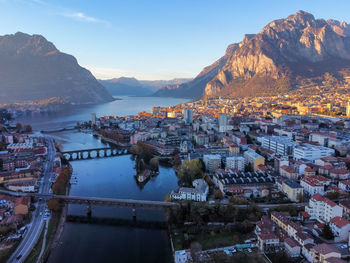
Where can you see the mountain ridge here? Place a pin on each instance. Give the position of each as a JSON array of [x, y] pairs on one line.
[[286, 54], [32, 68]]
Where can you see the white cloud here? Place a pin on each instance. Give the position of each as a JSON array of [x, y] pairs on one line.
[[80, 16]]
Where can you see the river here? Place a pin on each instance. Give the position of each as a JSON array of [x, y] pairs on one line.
[[110, 177]]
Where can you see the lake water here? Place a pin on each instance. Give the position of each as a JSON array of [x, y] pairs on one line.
[[109, 177], [123, 107]]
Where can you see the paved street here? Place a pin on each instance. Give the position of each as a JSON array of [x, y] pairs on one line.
[[37, 223]]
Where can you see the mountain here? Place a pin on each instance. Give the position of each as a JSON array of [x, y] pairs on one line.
[[195, 87], [32, 68], [286, 54], [124, 86]]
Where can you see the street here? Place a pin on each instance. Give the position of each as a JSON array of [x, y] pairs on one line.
[[35, 227]]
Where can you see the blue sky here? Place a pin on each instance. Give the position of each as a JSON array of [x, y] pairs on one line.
[[151, 39]]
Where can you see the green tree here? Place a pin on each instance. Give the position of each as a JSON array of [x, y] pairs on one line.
[[332, 195], [54, 204], [300, 197], [27, 128], [189, 171], [327, 232], [218, 194]]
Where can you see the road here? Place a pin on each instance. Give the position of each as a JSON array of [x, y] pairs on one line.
[[35, 227]]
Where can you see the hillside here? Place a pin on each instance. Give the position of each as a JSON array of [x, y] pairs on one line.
[[124, 86], [32, 68]]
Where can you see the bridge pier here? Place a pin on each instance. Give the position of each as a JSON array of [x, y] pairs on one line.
[[89, 211], [89, 155], [98, 154], [134, 214]]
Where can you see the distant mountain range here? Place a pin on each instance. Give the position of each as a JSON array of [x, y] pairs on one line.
[[32, 68], [132, 87], [287, 54]]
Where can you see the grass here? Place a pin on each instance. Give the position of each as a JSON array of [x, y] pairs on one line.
[[34, 254]]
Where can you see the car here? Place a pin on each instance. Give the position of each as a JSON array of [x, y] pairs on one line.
[[250, 250]]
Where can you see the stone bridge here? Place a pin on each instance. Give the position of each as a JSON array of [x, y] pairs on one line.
[[99, 153]]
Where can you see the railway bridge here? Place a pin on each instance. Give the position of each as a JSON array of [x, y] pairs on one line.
[[110, 202]]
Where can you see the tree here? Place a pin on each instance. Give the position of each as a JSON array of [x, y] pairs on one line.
[[332, 195], [300, 197], [28, 128], [18, 126], [218, 194], [1, 164], [327, 232], [154, 163], [189, 171], [196, 248], [54, 205], [177, 160]]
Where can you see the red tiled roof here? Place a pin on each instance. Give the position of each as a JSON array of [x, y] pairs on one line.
[[291, 242], [340, 171], [325, 249], [305, 214], [288, 169], [345, 182], [339, 221]]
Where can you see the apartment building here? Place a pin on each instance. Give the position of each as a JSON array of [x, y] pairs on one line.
[[212, 162], [323, 209], [292, 189], [235, 162], [279, 144], [314, 184], [253, 159]]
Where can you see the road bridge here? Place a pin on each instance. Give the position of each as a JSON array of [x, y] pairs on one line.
[[84, 154]]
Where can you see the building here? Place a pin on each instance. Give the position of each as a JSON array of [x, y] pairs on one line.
[[183, 256], [310, 152], [226, 180], [324, 251], [344, 185], [314, 184], [341, 174], [288, 172], [268, 242], [198, 193], [292, 247], [212, 162], [93, 118], [188, 116], [282, 145], [348, 109], [253, 159], [223, 122], [293, 190], [235, 162], [340, 228], [323, 209]]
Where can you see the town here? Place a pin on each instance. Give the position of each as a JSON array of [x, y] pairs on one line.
[[290, 159], [282, 163]]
